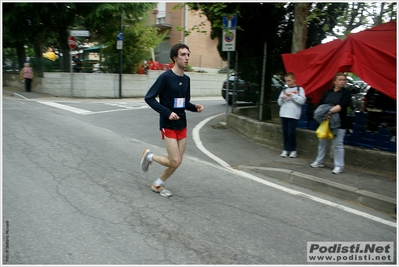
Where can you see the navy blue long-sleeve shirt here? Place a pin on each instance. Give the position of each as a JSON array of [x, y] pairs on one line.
[[174, 96]]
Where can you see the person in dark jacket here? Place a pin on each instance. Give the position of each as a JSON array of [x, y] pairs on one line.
[[78, 63], [173, 89], [339, 98]]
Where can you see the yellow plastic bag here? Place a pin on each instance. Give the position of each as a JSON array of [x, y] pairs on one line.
[[324, 131]]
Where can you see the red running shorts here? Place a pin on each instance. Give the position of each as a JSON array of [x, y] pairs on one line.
[[174, 134]]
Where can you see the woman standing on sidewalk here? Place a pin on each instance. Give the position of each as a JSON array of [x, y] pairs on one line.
[[339, 98], [26, 75]]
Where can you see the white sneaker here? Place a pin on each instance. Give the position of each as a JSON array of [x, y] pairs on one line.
[[145, 163], [337, 170], [161, 190], [284, 154], [293, 154], [316, 165]]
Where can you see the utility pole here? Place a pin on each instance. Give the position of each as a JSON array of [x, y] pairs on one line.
[[229, 45], [119, 45], [262, 92]]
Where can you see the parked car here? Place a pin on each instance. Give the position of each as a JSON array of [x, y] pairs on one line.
[[249, 92], [358, 90]]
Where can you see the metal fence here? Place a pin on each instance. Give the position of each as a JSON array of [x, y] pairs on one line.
[[256, 82]]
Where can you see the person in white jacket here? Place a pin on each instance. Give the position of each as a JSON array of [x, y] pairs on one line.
[[290, 101]]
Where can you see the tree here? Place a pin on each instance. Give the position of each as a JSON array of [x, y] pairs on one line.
[[273, 23], [22, 27], [355, 15], [258, 23], [57, 18], [300, 33], [137, 44], [41, 24], [104, 20]]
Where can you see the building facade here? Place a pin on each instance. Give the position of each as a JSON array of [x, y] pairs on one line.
[[170, 18]]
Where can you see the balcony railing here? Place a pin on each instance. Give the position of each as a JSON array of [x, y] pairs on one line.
[[163, 19]]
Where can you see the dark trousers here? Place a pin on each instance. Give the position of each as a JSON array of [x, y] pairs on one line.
[[289, 133], [28, 82]]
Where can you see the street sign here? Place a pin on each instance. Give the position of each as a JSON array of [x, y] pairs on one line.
[[229, 33], [119, 40], [119, 37], [230, 22], [71, 42], [79, 33], [229, 40], [119, 45]]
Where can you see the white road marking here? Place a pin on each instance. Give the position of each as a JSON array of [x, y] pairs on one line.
[[19, 95], [65, 107], [83, 111], [113, 110], [198, 143]]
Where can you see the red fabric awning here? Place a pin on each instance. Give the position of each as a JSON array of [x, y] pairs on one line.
[[370, 54]]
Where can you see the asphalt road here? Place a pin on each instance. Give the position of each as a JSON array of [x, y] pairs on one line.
[[73, 193]]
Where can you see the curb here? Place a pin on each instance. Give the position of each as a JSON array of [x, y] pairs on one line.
[[349, 193]]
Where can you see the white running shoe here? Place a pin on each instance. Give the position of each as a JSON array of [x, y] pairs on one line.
[[284, 154], [161, 190], [145, 163], [293, 154]]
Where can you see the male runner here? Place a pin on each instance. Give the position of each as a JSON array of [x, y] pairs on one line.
[[173, 89]]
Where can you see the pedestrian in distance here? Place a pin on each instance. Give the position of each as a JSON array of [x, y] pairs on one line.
[[50, 54], [49, 59], [339, 98], [290, 101], [173, 90], [26, 74], [78, 63]]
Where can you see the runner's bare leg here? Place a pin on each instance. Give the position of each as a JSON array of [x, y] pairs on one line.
[[175, 149]]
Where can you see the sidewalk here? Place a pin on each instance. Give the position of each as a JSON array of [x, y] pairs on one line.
[[370, 187], [20, 93]]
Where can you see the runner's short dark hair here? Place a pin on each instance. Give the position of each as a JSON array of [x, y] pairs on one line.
[[175, 50]]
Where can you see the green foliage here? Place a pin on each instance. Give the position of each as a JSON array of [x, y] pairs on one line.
[[137, 44], [213, 12], [42, 24], [104, 20], [258, 24], [340, 19]]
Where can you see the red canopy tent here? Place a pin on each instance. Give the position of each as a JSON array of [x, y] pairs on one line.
[[370, 54]]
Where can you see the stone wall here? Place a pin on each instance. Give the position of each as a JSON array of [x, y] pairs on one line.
[[106, 85]]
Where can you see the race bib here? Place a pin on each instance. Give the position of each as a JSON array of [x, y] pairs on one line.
[[180, 103]]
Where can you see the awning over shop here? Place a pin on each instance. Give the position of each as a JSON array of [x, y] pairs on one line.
[[93, 49]]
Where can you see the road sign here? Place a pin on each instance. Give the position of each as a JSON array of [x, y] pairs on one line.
[[119, 36], [119, 40], [71, 42], [229, 33], [230, 22], [119, 45], [79, 33], [229, 40]]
